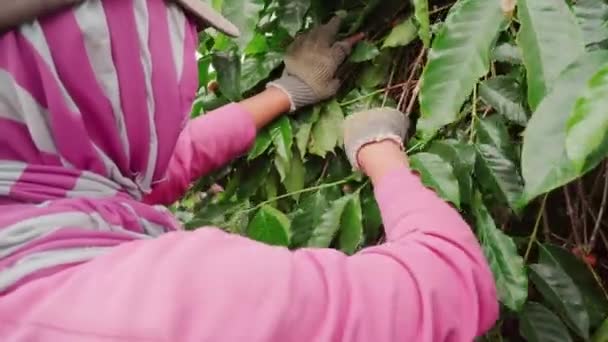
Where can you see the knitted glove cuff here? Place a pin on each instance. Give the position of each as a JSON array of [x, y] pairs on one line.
[[373, 126], [353, 148], [300, 94]]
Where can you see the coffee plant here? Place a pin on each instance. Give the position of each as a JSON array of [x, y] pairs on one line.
[[508, 101]]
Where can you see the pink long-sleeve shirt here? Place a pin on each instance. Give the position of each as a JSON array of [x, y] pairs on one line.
[[428, 282], [93, 109]]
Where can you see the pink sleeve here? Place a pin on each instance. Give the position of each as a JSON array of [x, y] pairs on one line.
[[207, 143], [428, 282]]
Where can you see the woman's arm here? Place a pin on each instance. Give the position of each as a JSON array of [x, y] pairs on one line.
[[428, 282], [214, 139], [210, 141]]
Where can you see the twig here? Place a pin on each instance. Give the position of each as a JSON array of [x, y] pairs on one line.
[[600, 214], [410, 106], [571, 214], [410, 78], [546, 227], [376, 92], [439, 9], [390, 81], [535, 231], [583, 203]]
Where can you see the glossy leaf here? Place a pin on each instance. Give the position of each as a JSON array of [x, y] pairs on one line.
[[493, 131], [270, 226], [545, 164], [462, 158], [507, 53], [437, 174], [601, 335], [560, 291], [228, 68], [327, 132], [328, 227], [421, 12], [364, 51], [292, 14], [304, 129], [256, 176], [466, 35], [282, 139], [595, 301], [505, 95], [499, 175], [257, 68], [539, 324], [294, 180], [308, 217], [377, 72], [351, 231], [261, 145], [592, 16], [550, 40], [245, 15], [587, 131], [402, 34], [501, 253], [372, 218]]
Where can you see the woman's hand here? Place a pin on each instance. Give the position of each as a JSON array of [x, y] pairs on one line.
[[310, 74], [373, 141], [311, 64]]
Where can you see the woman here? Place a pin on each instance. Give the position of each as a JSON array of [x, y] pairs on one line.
[[94, 100]]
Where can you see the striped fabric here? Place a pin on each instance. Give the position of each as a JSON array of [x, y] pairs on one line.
[[92, 101]]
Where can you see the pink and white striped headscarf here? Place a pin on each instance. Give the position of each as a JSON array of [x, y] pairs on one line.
[[92, 99]]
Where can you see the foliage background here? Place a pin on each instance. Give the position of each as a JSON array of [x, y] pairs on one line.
[[509, 123]]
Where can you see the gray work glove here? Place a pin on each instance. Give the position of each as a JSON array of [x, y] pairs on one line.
[[311, 64], [370, 126]]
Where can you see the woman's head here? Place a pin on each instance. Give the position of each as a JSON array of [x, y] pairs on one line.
[[15, 13], [102, 86]]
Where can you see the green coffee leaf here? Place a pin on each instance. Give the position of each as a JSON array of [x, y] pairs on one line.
[[256, 69], [501, 252], [228, 68], [498, 174], [244, 14], [261, 145], [467, 34], [402, 34], [270, 226], [550, 39], [587, 131], [294, 180], [560, 291], [327, 131], [326, 231], [351, 231], [308, 217], [421, 12], [493, 131], [507, 53], [539, 324], [282, 139], [462, 158], [505, 95], [592, 15], [304, 128], [292, 14], [601, 335], [364, 51], [545, 163], [595, 301], [437, 174]]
